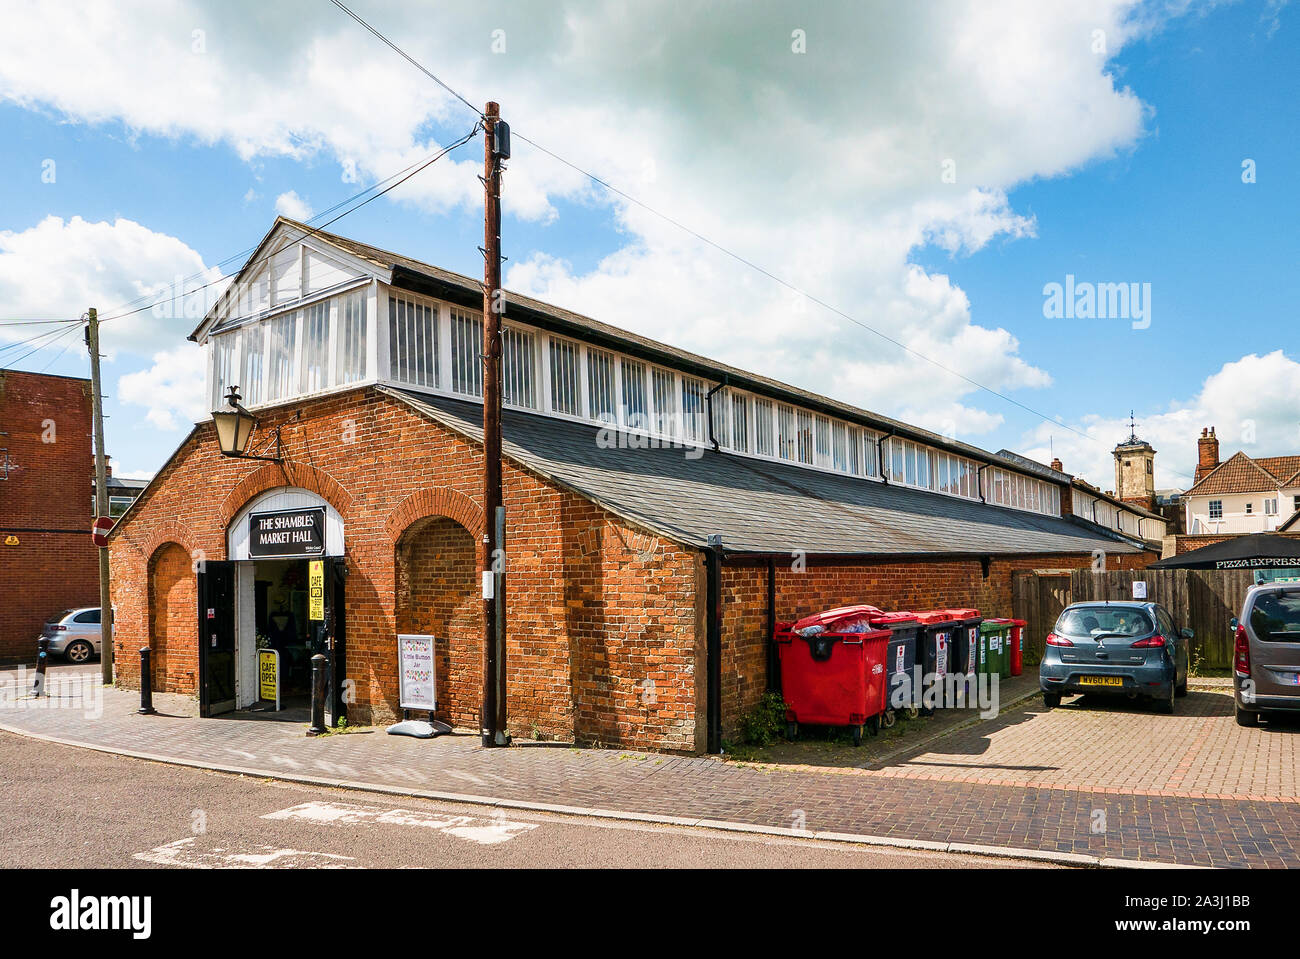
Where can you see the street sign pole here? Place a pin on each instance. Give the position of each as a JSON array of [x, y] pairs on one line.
[[101, 499]]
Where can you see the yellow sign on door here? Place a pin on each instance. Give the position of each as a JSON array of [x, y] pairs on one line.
[[268, 676], [316, 590]]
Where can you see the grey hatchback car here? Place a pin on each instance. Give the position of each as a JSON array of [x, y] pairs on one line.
[[1266, 653], [74, 634], [1128, 649]]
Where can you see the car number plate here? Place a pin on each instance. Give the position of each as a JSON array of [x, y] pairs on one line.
[[1100, 681]]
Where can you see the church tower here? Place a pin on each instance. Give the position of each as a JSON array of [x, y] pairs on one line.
[[1135, 470]]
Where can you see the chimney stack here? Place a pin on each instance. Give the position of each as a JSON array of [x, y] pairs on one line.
[[1207, 449], [1056, 465]]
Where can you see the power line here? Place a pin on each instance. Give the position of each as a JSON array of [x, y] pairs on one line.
[[62, 351], [408, 58], [418, 168], [722, 249], [26, 322], [49, 336]]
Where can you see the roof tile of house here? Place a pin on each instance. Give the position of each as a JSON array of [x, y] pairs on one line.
[[1241, 474]]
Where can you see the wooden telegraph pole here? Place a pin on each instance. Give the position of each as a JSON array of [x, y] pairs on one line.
[[101, 498], [496, 147]]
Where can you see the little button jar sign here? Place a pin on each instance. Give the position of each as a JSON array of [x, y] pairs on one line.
[[289, 532]]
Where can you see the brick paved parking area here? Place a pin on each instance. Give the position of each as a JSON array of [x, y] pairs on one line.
[[1111, 745], [1104, 780]]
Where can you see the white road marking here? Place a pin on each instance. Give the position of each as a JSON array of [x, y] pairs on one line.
[[187, 854], [486, 832]]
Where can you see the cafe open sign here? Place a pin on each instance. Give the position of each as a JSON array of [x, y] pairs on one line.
[[290, 532]]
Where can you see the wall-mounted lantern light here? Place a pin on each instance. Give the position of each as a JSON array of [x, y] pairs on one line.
[[235, 428]]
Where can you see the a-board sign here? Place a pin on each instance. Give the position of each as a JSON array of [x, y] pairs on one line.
[[416, 672], [316, 590], [268, 676], [287, 532]]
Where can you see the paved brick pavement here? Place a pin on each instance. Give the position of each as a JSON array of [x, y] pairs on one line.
[[1115, 746], [1160, 818]]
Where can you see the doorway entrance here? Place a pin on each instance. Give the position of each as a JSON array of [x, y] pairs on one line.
[[216, 590], [250, 605], [281, 621], [283, 589]]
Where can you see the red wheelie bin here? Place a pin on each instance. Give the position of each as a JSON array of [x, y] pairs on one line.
[[1017, 647], [833, 679]]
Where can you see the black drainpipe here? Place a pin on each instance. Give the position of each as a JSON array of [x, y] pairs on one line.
[[773, 660], [979, 480], [880, 454], [708, 409], [713, 641]]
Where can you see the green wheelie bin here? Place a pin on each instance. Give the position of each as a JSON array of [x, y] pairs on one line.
[[995, 647]]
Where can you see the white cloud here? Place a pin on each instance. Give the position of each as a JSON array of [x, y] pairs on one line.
[[60, 268], [171, 390], [1253, 403], [828, 166], [290, 204]]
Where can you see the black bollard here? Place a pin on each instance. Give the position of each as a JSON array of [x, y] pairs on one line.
[[42, 660], [318, 664], [146, 683]]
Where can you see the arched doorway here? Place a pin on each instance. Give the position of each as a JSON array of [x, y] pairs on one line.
[[172, 602], [437, 594], [280, 591]]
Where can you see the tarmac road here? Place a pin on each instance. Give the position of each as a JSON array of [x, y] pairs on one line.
[[65, 807]]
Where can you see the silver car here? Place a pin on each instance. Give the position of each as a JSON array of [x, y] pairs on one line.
[[74, 634], [1266, 653]]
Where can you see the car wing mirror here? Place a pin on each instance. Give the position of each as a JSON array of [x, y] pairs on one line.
[[1186, 633]]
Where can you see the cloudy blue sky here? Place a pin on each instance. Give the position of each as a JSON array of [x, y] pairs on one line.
[[928, 169]]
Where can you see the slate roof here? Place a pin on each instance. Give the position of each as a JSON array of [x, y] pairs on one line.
[[758, 506], [1241, 474]]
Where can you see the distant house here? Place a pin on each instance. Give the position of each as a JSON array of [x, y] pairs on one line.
[[121, 492], [1242, 494]]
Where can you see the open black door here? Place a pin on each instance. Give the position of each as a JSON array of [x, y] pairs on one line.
[[216, 589], [336, 705]]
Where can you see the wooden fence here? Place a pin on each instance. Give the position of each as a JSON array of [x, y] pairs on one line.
[[1202, 600], [1037, 597]]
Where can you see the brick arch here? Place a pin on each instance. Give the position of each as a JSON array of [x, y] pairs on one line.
[[275, 475], [441, 501], [169, 625], [170, 531]]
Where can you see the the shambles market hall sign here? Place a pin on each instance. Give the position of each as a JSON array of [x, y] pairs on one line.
[[289, 532]]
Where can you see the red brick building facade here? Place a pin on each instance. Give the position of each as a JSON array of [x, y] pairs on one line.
[[607, 633], [47, 561], [662, 510]]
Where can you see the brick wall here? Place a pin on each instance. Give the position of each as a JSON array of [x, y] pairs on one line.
[[173, 602], [1187, 543], [47, 420], [437, 594], [889, 584], [603, 637]]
